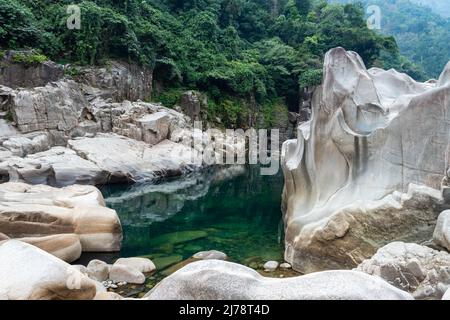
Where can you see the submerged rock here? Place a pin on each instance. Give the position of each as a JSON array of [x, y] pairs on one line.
[[29, 273], [347, 176], [411, 267], [210, 255], [32, 211], [220, 280], [178, 237]]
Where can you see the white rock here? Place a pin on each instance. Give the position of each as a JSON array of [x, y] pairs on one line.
[[209, 255], [420, 270], [271, 266], [442, 232], [221, 280], [108, 296], [372, 132], [29, 273], [143, 265], [121, 273], [446, 295], [285, 266], [31, 211], [98, 270]]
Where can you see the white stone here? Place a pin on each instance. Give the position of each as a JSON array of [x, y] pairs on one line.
[[271, 266], [98, 270], [29, 273], [208, 255], [121, 273], [285, 266], [221, 280], [143, 265], [442, 231]]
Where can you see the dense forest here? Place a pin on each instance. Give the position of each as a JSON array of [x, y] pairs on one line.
[[441, 7], [421, 34], [239, 52]]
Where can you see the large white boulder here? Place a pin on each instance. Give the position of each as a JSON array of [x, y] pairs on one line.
[[442, 231], [66, 247], [29, 273], [411, 267], [124, 273], [372, 133], [35, 211], [220, 280]]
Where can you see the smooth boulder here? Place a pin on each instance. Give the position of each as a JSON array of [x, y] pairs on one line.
[[221, 280], [29, 273], [121, 273], [66, 247], [143, 265], [32, 211]]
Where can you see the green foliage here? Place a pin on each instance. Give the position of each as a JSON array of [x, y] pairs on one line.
[[29, 59], [170, 97], [235, 50]]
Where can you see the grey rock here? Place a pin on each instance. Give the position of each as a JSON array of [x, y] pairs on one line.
[[420, 270], [123, 273], [220, 280], [441, 234], [271, 266], [98, 270], [210, 255]]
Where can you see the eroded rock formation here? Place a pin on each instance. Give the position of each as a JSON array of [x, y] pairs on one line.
[[348, 176]]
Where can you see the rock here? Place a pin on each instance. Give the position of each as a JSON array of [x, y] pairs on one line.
[[411, 267], [270, 266], [66, 247], [3, 237], [127, 160], [372, 134], [98, 270], [123, 273], [221, 280], [442, 231], [27, 144], [143, 265], [119, 81], [285, 266], [192, 103], [446, 295], [16, 75], [81, 268], [31, 211], [108, 296], [210, 255], [57, 106], [29, 273]]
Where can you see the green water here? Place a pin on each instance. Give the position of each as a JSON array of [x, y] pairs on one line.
[[234, 210]]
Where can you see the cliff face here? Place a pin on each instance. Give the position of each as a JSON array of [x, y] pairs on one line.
[[348, 175]]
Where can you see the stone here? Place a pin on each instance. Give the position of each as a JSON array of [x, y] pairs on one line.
[[32, 211], [270, 266], [143, 265], [372, 134], [446, 295], [3, 237], [420, 270], [123, 273], [178, 237], [128, 160], [285, 266], [192, 103], [108, 296], [16, 75], [56, 106], [165, 262], [442, 231], [81, 268], [98, 270], [209, 255], [221, 280], [29, 273], [66, 247]]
